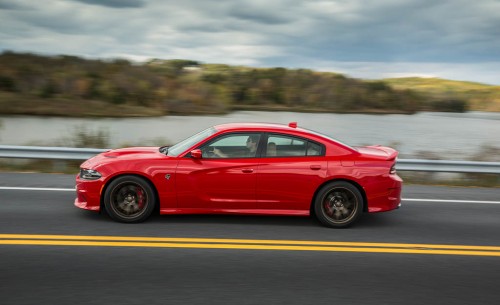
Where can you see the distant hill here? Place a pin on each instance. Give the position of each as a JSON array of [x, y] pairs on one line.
[[74, 86], [480, 97]]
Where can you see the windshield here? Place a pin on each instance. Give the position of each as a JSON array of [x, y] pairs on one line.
[[180, 147]]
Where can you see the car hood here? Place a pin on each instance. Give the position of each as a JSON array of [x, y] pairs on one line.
[[126, 152], [111, 156], [378, 151]]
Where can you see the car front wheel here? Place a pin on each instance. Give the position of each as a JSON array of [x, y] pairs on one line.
[[129, 199], [338, 204]]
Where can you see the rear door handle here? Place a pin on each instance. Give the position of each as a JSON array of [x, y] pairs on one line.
[[247, 170], [315, 167]]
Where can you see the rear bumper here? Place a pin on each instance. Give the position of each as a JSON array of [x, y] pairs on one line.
[[88, 194], [386, 196]]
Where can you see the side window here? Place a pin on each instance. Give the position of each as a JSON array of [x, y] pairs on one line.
[[240, 145], [313, 149], [285, 146]]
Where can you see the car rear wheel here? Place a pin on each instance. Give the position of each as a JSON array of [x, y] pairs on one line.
[[338, 204], [129, 199]]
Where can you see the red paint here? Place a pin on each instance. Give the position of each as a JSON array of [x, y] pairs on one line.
[[277, 185]]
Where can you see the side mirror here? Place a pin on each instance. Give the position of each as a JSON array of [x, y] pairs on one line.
[[196, 154]]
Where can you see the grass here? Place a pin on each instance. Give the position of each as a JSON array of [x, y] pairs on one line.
[[481, 97], [39, 166], [450, 179]]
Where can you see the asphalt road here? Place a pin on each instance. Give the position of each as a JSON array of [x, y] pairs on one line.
[[43, 274]]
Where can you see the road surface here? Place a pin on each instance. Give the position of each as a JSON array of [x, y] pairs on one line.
[[414, 255]]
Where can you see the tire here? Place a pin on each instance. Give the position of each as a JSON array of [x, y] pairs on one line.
[[338, 204], [129, 199]]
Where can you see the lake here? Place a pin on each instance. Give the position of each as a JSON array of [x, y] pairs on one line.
[[447, 135]]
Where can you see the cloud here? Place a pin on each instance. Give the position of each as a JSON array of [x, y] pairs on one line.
[[115, 3], [11, 5], [260, 12], [444, 31], [391, 36]]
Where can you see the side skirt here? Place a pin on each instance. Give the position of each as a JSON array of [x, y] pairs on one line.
[[237, 212]]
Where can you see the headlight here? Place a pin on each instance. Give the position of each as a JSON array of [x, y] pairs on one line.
[[89, 174]]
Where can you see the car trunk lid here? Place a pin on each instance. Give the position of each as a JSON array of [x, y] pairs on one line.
[[378, 151]]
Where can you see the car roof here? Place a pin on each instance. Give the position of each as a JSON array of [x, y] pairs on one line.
[[258, 127], [277, 128]]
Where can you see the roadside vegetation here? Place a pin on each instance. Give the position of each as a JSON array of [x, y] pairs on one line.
[[450, 179]]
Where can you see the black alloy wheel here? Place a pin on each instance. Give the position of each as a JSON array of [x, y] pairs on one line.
[[129, 199], [338, 204]]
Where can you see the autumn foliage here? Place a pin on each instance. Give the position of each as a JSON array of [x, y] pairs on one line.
[[69, 85]]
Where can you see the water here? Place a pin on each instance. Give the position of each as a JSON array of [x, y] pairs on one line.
[[447, 135]]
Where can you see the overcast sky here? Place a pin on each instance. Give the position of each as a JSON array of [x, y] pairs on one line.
[[454, 39]]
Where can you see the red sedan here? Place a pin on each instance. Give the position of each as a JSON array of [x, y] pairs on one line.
[[251, 169]]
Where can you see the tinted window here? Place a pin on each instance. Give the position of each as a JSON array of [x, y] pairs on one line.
[[289, 146], [284, 146], [314, 149], [240, 145]]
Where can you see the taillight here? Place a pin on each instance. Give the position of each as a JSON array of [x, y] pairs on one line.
[[393, 169]]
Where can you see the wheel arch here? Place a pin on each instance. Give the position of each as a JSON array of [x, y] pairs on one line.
[[146, 178], [357, 185]]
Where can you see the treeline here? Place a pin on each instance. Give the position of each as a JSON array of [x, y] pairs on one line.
[[118, 87]]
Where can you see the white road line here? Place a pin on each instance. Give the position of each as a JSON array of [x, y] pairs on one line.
[[36, 189], [403, 199], [451, 200]]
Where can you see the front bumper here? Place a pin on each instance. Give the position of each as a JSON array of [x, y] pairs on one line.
[[88, 194]]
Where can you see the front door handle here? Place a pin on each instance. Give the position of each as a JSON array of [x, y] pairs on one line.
[[247, 170], [315, 167]]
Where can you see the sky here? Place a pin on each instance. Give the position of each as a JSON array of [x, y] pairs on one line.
[[370, 39]]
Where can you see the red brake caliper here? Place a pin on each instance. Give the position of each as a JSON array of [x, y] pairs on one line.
[[328, 206], [140, 198]]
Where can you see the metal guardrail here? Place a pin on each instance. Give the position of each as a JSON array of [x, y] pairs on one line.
[[52, 153], [448, 166], [66, 153]]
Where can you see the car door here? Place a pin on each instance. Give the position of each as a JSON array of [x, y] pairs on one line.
[[225, 180], [290, 171]]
